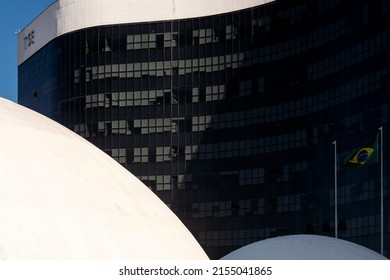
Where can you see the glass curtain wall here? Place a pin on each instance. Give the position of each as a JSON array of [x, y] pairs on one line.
[[230, 119]]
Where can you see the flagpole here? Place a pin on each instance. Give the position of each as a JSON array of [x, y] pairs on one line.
[[381, 130], [335, 187]]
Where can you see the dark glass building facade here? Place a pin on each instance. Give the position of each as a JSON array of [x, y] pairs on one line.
[[230, 118]]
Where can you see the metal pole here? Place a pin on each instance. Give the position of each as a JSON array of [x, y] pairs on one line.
[[381, 130], [335, 187]]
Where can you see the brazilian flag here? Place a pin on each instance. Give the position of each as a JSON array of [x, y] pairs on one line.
[[365, 155]]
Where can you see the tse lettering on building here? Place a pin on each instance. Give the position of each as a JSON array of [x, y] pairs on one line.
[[29, 39]]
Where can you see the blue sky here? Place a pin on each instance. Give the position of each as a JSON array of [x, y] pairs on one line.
[[14, 15]]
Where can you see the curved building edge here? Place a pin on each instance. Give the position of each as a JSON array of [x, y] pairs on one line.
[[65, 16]]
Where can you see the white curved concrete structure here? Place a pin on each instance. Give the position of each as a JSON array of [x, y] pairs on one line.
[[65, 16], [63, 198], [303, 247]]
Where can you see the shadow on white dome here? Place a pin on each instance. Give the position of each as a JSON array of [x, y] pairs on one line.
[[303, 247]]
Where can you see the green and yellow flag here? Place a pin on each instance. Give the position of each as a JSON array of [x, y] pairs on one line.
[[364, 155]]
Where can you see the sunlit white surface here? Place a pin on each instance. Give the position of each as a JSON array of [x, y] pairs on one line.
[[303, 247], [65, 16], [63, 198]]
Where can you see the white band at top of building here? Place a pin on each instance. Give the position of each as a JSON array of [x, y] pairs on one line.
[[65, 16]]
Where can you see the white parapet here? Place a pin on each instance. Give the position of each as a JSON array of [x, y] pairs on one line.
[[65, 16]]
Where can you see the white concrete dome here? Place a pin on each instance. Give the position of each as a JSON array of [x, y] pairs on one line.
[[303, 247], [63, 198]]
